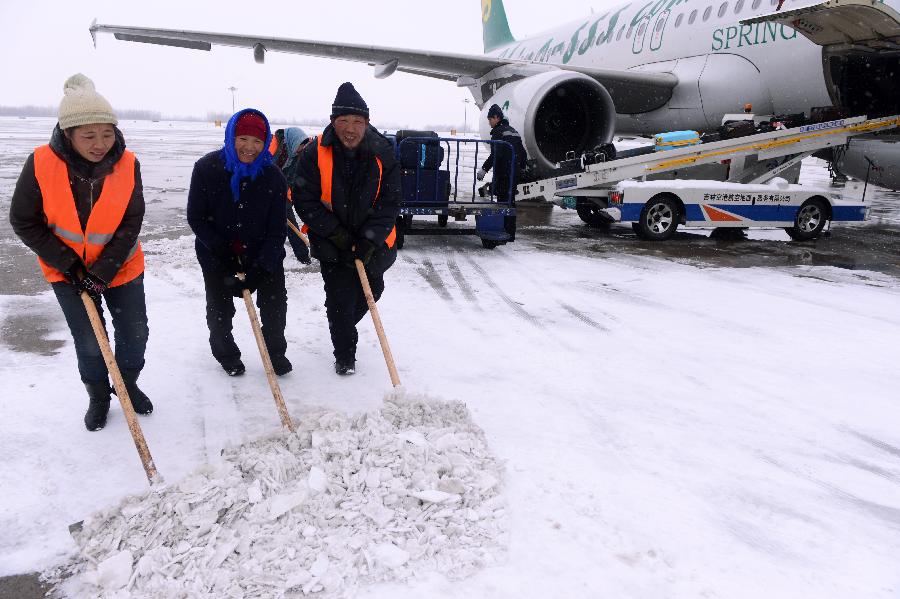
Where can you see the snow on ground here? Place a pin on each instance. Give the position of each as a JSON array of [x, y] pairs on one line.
[[667, 429]]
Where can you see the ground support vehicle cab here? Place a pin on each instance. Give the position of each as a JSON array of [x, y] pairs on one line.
[[656, 208]]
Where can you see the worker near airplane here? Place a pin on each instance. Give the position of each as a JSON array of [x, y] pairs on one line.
[[501, 158]]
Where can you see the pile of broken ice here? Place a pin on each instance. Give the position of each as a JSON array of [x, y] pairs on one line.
[[348, 499]]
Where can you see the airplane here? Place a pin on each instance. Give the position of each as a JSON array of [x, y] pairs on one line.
[[648, 66]]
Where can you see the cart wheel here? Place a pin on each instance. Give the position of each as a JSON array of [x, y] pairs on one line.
[[659, 218], [509, 225], [442, 220], [591, 214], [401, 232], [810, 220], [489, 244]]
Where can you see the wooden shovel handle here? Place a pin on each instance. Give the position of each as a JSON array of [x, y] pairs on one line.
[[267, 360], [376, 319], [122, 393]]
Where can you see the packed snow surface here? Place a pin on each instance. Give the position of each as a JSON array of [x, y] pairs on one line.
[[376, 496]]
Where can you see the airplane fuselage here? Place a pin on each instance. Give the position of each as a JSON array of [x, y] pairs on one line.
[[721, 64]]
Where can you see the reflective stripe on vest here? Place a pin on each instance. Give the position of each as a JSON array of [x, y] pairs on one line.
[[52, 176], [325, 156]]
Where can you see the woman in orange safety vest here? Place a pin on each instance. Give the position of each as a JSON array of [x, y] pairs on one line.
[[79, 206]]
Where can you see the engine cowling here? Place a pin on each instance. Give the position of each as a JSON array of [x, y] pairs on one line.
[[555, 112]]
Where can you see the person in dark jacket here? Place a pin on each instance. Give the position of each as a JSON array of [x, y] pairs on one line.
[[500, 158], [292, 141], [79, 206], [351, 218], [237, 209]]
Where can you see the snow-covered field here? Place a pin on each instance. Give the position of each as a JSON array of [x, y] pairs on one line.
[[661, 428]]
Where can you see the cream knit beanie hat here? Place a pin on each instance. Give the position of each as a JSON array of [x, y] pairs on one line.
[[82, 105]]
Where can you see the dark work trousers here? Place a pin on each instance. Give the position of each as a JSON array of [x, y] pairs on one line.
[[128, 307], [297, 244], [345, 305], [271, 299]]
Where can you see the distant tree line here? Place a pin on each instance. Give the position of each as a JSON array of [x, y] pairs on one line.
[[153, 115]]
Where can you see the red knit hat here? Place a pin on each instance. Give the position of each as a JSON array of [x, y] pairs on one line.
[[250, 123]]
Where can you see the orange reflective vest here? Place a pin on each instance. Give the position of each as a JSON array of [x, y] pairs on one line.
[[52, 176], [326, 170], [273, 146]]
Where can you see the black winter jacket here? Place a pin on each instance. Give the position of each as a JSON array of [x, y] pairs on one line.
[[257, 221], [499, 158], [356, 201], [26, 210]]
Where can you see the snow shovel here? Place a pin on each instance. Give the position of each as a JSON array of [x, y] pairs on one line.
[[376, 320], [267, 361], [121, 392], [302, 237]]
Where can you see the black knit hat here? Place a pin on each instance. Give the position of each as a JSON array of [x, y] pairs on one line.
[[348, 101], [495, 111]]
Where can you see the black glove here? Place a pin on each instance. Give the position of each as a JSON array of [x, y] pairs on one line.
[[252, 279], [302, 253], [74, 274], [93, 285], [342, 239], [364, 250]]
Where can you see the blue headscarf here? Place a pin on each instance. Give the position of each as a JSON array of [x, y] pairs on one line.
[[293, 137], [233, 165]]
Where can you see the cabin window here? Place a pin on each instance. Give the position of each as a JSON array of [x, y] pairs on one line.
[[660, 24], [723, 9], [628, 35], [739, 6], [693, 16], [707, 12], [774, 2], [621, 31], [679, 20], [642, 29], [755, 4]]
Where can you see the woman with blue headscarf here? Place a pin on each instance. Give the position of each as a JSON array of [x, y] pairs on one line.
[[237, 209]]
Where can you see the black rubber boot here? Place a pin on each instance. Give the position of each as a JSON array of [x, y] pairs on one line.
[[95, 417], [139, 401]]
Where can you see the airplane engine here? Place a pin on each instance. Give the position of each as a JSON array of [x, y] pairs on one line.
[[555, 112]]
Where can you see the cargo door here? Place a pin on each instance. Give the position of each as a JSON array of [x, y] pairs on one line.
[[860, 42], [842, 24]]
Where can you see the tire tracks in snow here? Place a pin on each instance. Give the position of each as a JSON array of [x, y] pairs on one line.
[[514, 305], [428, 272]]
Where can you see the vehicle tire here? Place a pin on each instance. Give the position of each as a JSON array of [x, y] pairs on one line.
[[442, 220], [591, 214], [659, 218], [489, 244], [810, 220]]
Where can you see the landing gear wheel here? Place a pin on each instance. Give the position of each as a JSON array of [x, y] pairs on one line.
[[489, 244], [442, 220], [591, 214], [659, 219], [810, 220]]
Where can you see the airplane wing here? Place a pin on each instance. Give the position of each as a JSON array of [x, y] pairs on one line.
[[440, 65]]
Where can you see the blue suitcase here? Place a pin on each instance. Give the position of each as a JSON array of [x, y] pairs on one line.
[[425, 186], [675, 139]]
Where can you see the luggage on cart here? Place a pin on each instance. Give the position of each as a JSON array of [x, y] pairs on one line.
[[733, 129], [823, 114], [675, 139], [426, 186], [419, 154]]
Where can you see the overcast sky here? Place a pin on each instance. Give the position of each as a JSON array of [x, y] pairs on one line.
[[45, 42]]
